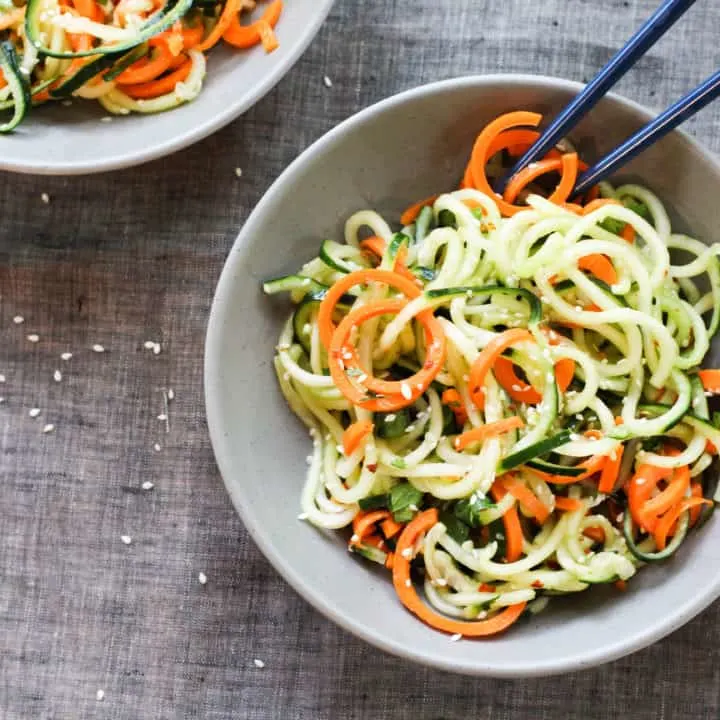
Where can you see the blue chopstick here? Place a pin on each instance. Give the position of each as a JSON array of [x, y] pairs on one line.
[[651, 133], [648, 34]]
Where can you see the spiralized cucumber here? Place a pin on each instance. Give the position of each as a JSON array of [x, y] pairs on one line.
[[633, 348]]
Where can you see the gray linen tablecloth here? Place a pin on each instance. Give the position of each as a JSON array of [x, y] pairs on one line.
[[132, 257]]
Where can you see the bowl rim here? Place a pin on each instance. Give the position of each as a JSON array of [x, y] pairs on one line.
[[198, 132], [583, 658]]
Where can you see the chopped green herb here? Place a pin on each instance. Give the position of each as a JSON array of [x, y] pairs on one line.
[[404, 502], [374, 502], [455, 527], [392, 425], [469, 510]]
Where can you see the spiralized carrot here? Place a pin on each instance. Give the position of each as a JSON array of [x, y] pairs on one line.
[[610, 471], [511, 521], [710, 380], [452, 398], [245, 36], [527, 499], [665, 522], [486, 359], [567, 165], [161, 86], [483, 432], [356, 435], [148, 68], [568, 504], [600, 267], [229, 13], [326, 325], [481, 152], [377, 246], [411, 213], [409, 598], [388, 394], [364, 523]]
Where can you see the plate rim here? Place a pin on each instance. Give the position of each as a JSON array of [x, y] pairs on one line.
[[194, 134]]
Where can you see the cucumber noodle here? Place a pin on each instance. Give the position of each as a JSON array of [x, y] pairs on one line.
[[635, 345]]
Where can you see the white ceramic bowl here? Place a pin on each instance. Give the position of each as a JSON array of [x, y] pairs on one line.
[[58, 140], [385, 157]]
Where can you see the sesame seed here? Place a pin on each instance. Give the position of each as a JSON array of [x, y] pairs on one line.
[[45, 198], [355, 538], [516, 387], [405, 391], [100, 695], [408, 583], [202, 578], [33, 337], [390, 417], [238, 172], [407, 553], [578, 308], [162, 417], [57, 376], [48, 428], [482, 615], [302, 516], [18, 319], [258, 663], [126, 539], [34, 412], [170, 394], [106, 119], [409, 428], [66, 356], [362, 378], [640, 481], [98, 348], [620, 517], [157, 349], [156, 447], [147, 485], [455, 637], [2, 378], [148, 344], [327, 82]]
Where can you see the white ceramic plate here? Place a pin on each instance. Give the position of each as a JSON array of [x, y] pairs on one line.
[[386, 157], [57, 140]]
